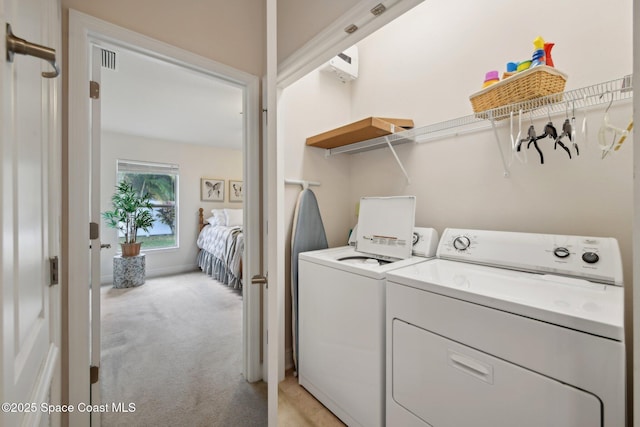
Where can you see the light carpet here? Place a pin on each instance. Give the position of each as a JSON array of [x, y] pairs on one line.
[[173, 347]]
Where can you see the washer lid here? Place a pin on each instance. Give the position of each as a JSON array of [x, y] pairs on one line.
[[346, 258], [385, 226]]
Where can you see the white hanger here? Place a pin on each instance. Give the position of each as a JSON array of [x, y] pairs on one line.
[[616, 133]]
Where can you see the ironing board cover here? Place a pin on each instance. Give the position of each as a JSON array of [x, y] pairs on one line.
[[307, 235]]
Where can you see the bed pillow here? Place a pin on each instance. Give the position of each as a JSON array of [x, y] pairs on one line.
[[234, 217], [218, 218]]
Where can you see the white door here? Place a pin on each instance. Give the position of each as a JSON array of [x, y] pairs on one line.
[[30, 189]]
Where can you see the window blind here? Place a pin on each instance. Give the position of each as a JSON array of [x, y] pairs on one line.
[[134, 166]]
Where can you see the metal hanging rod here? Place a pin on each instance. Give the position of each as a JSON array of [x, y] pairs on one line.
[[613, 90], [565, 102], [305, 184], [577, 99]]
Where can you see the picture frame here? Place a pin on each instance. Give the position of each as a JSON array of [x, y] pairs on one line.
[[212, 190], [236, 191]]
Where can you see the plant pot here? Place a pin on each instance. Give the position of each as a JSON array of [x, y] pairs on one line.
[[130, 249]]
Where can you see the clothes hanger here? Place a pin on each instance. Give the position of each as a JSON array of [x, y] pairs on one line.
[[584, 119], [515, 143], [532, 138], [573, 128], [566, 133], [549, 131], [607, 128], [623, 137], [513, 140]]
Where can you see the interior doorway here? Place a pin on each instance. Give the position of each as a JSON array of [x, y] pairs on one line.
[[87, 35], [163, 128]]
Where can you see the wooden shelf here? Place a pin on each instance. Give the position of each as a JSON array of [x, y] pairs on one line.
[[362, 130]]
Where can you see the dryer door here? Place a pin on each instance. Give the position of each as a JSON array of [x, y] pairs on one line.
[[445, 384]]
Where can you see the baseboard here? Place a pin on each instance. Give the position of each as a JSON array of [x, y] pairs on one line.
[[156, 272], [179, 269]]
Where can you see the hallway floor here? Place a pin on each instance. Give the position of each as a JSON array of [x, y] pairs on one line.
[[298, 408]]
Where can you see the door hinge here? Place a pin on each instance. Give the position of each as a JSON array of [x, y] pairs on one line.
[[94, 90], [53, 271], [94, 374], [94, 231]]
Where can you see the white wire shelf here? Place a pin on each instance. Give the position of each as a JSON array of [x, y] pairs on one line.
[[566, 102]]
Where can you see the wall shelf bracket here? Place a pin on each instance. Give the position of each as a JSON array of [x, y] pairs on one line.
[[404, 171], [495, 133]]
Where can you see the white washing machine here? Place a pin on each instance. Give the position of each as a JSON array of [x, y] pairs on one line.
[[508, 329], [341, 305]]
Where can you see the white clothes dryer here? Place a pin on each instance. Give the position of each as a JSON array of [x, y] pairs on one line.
[[507, 329], [341, 305]]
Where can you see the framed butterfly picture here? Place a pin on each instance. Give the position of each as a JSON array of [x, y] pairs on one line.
[[236, 192], [211, 190]]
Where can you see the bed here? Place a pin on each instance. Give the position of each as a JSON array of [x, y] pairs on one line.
[[221, 244]]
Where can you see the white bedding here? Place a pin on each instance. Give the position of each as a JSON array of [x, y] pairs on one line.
[[220, 253]]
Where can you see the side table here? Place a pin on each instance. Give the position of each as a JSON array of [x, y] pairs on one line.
[[128, 271]]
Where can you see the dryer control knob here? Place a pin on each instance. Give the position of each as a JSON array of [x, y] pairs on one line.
[[561, 252], [590, 257], [461, 243]]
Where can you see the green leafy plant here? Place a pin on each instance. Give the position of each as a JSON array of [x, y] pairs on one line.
[[131, 212], [167, 215]]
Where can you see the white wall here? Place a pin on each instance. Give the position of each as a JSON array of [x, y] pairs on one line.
[[424, 66], [426, 63], [434, 57], [314, 104], [301, 20], [195, 162]]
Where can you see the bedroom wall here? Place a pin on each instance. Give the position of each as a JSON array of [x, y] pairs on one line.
[[229, 32], [424, 66], [195, 162]]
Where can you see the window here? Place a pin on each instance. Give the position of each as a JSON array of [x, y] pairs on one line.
[[161, 182]]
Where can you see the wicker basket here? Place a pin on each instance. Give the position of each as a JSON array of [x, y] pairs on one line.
[[535, 82]]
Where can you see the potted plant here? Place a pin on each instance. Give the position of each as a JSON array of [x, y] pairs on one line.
[[130, 213]]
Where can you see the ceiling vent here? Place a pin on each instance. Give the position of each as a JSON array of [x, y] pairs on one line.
[[109, 60]]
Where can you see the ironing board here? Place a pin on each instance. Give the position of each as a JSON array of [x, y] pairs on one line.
[[307, 235]]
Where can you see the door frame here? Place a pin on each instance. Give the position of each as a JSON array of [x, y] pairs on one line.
[[86, 31]]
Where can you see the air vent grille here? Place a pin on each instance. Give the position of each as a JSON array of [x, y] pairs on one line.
[[109, 59]]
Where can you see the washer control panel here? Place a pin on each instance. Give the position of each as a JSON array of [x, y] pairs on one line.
[[592, 258], [461, 243]]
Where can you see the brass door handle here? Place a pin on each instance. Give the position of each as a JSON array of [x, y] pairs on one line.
[[258, 280], [102, 246], [23, 47]]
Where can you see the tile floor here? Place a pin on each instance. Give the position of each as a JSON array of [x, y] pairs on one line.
[[298, 408]]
